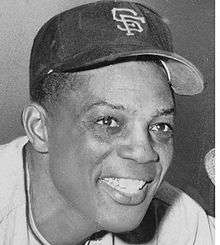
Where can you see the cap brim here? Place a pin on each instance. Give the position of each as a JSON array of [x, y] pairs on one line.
[[185, 78]]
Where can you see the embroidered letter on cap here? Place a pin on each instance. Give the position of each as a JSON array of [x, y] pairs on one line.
[[130, 22]]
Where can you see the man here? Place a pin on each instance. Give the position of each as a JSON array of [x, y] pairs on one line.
[[100, 135]]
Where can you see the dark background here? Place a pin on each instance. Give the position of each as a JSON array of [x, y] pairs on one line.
[[192, 24]]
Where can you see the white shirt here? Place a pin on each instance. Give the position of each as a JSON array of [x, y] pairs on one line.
[[183, 222]]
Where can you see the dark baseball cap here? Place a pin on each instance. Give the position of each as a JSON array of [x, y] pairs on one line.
[[103, 32]]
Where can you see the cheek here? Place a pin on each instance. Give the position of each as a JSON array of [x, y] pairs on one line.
[[89, 149], [74, 152], [76, 167], [165, 153]]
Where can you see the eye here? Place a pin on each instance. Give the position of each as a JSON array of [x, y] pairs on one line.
[[161, 127], [108, 121], [161, 131]]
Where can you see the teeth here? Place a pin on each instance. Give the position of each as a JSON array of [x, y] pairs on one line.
[[129, 186]]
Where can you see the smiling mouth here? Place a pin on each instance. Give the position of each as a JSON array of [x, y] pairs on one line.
[[124, 190], [128, 186]]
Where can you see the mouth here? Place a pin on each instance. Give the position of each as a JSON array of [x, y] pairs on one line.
[[124, 190]]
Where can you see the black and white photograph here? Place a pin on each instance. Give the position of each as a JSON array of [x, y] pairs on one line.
[[107, 122]]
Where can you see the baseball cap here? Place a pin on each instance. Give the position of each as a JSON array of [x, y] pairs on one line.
[[102, 32]]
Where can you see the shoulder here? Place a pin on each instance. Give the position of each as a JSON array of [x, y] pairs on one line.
[[178, 201], [184, 216], [11, 150], [11, 175], [11, 158]]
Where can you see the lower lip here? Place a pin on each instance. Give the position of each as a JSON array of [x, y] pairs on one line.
[[124, 198]]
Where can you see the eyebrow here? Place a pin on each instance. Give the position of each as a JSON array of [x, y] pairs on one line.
[[103, 103], [162, 112]]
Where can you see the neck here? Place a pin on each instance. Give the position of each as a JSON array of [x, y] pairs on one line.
[[56, 220]]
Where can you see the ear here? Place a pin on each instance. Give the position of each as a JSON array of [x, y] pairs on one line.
[[34, 122]]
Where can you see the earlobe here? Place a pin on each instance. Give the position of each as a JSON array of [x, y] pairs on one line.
[[34, 122]]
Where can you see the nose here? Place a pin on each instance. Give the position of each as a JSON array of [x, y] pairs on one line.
[[138, 148]]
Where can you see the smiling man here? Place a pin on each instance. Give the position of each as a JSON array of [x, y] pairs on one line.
[[100, 135]]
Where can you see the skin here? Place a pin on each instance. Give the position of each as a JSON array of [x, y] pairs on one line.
[[118, 124]]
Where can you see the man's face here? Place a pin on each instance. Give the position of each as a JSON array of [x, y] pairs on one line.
[[112, 143]]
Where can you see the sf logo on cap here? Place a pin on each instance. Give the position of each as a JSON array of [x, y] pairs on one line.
[[130, 21]]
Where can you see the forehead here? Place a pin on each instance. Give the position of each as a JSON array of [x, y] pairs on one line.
[[140, 87], [133, 84]]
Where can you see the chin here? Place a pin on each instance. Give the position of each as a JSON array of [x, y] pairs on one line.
[[124, 219]]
